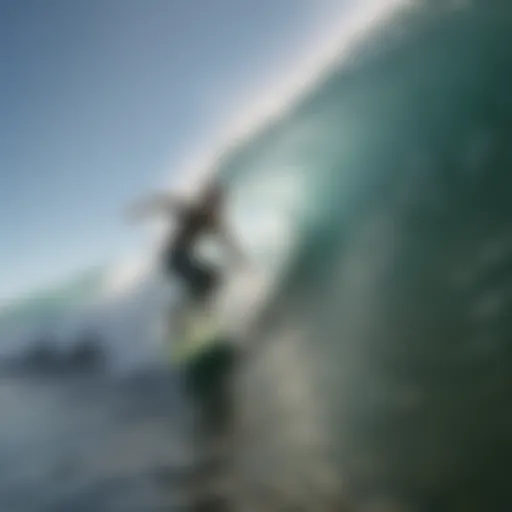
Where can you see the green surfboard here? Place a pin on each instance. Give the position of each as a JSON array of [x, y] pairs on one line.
[[200, 334]]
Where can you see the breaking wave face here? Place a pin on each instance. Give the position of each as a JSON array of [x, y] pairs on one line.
[[385, 195]]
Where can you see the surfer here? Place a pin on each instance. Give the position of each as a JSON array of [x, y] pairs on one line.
[[193, 220], [208, 374]]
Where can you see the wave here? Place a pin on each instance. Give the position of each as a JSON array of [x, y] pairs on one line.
[[389, 329]]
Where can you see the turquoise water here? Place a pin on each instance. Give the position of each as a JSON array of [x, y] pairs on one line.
[[374, 121], [383, 376]]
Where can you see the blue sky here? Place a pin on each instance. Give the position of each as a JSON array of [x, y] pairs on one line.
[[99, 98]]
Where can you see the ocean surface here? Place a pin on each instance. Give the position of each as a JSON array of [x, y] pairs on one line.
[[93, 443]]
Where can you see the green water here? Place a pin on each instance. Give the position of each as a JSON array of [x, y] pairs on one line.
[[383, 377]]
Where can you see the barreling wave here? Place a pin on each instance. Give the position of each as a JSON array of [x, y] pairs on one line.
[[391, 177]]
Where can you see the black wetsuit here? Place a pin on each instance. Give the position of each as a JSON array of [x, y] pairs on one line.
[[199, 278]]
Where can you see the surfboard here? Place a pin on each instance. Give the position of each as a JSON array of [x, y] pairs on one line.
[[201, 331]]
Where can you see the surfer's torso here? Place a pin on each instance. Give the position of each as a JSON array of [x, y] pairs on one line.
[[193, 222]]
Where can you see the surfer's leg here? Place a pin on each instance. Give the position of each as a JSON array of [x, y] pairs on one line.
[[211, 377]]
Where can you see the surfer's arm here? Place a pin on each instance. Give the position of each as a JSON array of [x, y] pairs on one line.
[[156, 204]]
